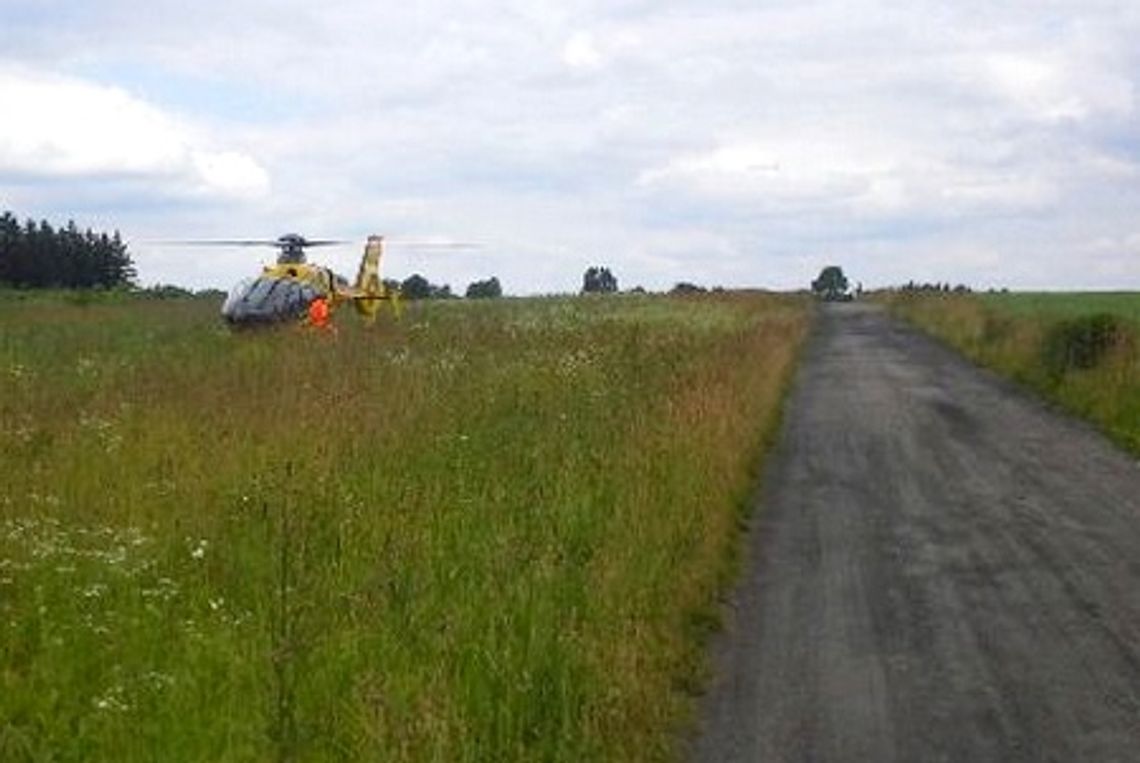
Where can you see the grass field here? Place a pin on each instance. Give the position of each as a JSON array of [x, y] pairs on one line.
[[493, 531], [1047, 305], [1045, 340]]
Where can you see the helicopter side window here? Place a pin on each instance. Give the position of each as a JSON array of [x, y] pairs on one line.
[[285, 299], [237, 294], [305, 295], [262, 288]]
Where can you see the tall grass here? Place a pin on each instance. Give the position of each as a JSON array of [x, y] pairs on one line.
[[1079, 350], [494, 531]]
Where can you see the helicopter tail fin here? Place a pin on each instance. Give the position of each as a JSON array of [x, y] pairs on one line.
[[370, 288]]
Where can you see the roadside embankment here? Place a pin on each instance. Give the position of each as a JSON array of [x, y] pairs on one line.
[[1081, 351]]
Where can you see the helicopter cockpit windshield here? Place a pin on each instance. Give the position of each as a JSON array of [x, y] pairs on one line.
[[267, 300]]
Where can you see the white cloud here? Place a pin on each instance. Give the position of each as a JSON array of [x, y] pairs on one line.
[[1056, 87], [229, 173], [672, 140], [68, 128], [791, 171], [581, 52], [850, 174]]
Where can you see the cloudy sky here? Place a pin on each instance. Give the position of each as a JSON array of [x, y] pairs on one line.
[[731, 142]]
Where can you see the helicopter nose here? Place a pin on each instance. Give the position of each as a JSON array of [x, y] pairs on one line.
[[267, 300]]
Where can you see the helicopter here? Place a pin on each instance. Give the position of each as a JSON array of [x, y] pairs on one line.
[[283, 292]]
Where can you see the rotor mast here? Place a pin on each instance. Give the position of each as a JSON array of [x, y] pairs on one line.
[[292, 249]]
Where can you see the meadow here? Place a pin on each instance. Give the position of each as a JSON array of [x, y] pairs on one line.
[[491, 531], [1079, 350]]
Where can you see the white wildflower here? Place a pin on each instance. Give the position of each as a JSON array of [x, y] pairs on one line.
[[94, 591]]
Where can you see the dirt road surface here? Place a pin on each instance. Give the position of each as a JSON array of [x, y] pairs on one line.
[[941, 569]]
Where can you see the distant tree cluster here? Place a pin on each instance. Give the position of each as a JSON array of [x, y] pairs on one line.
[[685, 288], [416, 286], [166, 291], [940, 288], [171, 291], [488, 289], [38, 256], [599, 280]]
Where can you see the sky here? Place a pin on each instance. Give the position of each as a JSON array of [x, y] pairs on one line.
[[723, 142]]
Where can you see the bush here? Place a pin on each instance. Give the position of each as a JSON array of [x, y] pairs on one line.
[[489, 289], [684, 288], [1081, 343]]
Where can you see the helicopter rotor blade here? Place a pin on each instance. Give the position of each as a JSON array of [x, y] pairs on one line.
[[324, 242], [413, 243], [248, 242], [223, 242], [304, 243]]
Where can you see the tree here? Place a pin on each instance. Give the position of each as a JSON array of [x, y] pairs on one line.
[[440, 292], [599, 280], [415, 286], [37, 255], [488, 289], [831, 284]]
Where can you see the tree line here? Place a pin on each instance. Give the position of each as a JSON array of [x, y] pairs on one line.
[[36, 255], [416, 286], [596, 280], [940, 288]]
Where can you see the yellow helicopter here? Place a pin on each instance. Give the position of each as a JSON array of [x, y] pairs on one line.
[[285, 290], [291, 289]]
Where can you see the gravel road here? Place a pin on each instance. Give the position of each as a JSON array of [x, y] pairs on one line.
[[941, 569]]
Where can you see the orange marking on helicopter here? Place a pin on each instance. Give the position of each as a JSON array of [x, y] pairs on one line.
[[319, 313]]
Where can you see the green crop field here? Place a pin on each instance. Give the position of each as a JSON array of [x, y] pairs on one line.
[[1081, 350], [493, 531], [1067, 304]]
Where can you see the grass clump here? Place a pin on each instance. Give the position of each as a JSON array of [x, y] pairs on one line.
[[1079, 350], [1084, 342], [493, 531]]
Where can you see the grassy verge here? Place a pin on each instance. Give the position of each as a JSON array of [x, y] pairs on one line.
[[1079, 350], [493, 531]]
